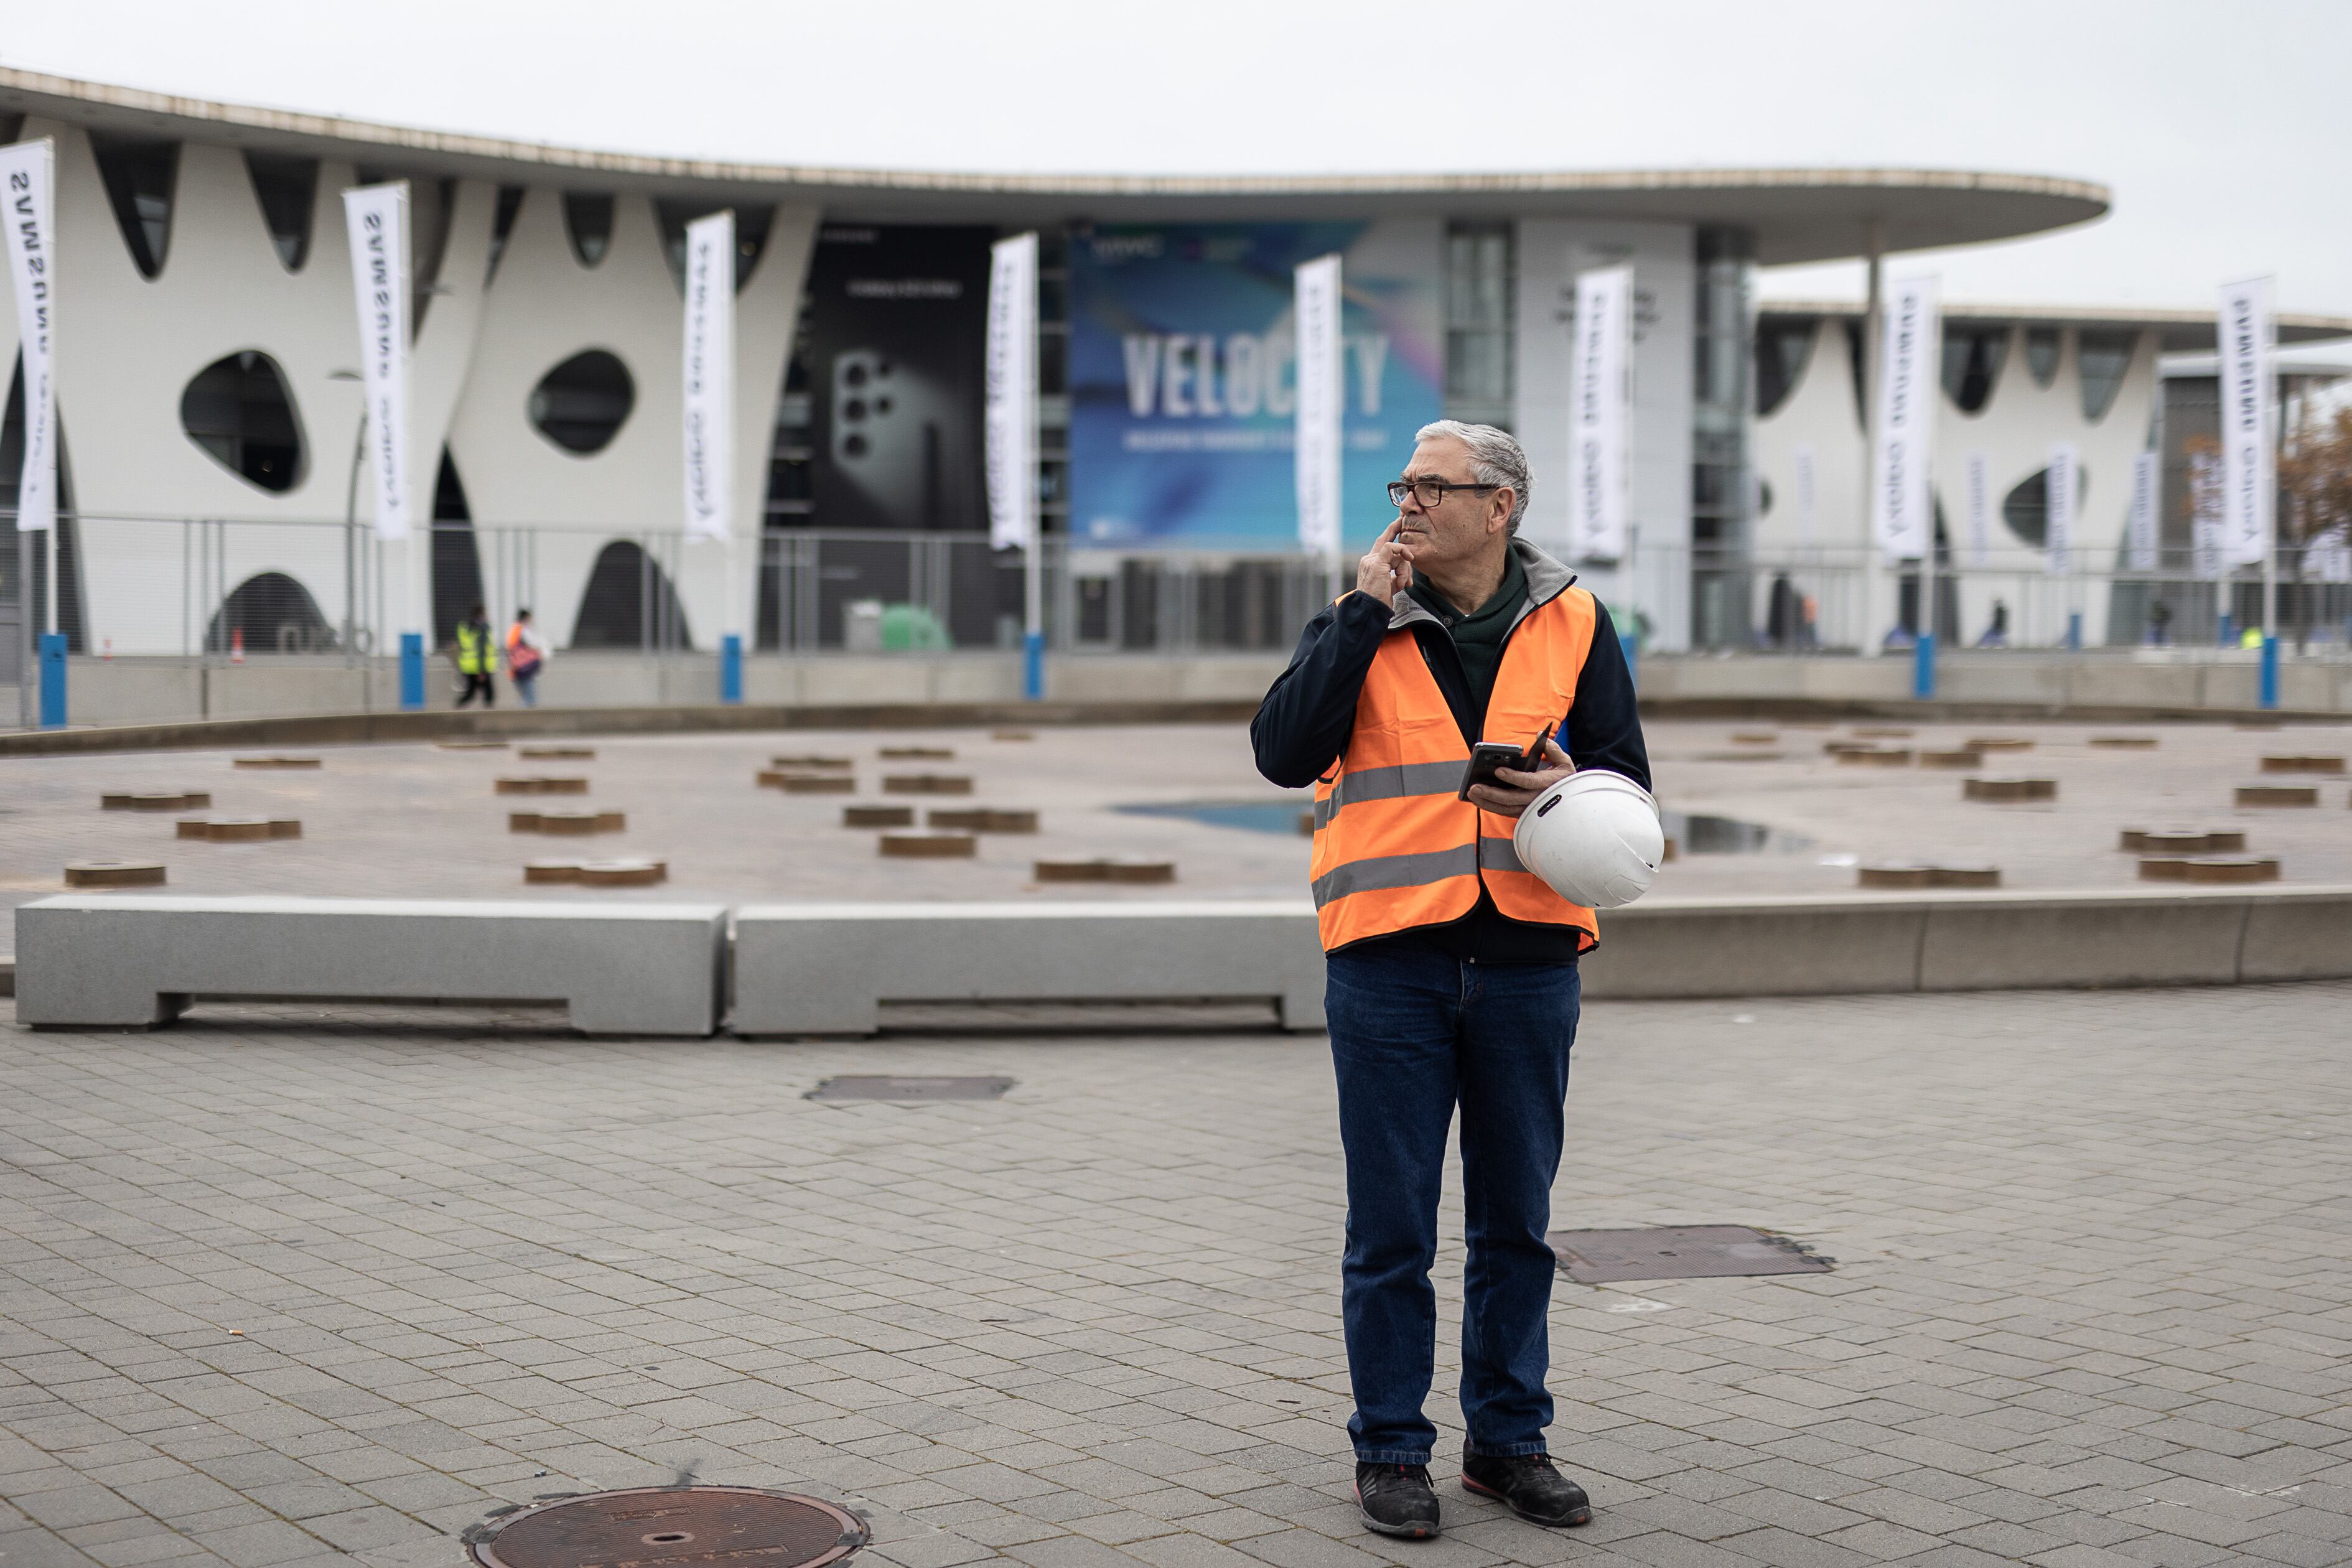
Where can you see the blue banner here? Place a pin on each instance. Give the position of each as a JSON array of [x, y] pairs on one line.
[[1184, 386]]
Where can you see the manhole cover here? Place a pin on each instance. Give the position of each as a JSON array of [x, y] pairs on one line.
[[917, 1089], [648, 1526], [1679, 1252]]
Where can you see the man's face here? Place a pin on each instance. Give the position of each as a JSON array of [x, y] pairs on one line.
[[1465, 522]]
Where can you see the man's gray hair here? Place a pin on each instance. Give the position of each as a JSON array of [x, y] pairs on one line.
[[1496, 459]]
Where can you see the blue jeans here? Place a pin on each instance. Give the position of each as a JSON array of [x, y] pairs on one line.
[[1412, 1036]]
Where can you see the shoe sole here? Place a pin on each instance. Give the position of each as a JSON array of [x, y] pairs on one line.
[[1578, 1516], [1399, 1531]]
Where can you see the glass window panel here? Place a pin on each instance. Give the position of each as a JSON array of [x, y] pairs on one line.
[[2101, 359], [2042, 354]]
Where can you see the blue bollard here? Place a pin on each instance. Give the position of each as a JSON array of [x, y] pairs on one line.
[[2269, 698], [1033, 666], [412, 671], [730, 668], [2229, 631], [2074, 631], [53, 680], [1923, 667]]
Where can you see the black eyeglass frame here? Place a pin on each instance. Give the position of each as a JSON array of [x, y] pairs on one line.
[[1399, 489]]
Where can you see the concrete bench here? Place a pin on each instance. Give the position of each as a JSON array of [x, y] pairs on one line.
[[825, 969], [638, 969]]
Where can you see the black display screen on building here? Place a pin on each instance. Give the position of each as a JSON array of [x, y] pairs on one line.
[[898, 318]]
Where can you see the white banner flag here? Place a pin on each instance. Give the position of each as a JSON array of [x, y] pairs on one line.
[[2249, 486], [2205, 514], [1801, 459], [376, 217], [1977, 479], [1322, 403], [1909, 359], [1010, 405], [710, 377], [28, 190], [2059, 512], [1600, 416], [2140, 526]]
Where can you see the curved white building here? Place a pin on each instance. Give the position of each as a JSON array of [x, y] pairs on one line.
[[206, 329]]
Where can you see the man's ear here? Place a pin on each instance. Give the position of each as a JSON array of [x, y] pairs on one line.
[[1500, 504]]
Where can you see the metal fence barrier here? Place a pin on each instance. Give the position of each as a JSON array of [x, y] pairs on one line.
[[211, 590]]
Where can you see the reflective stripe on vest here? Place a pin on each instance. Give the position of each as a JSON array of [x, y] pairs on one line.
[[1393, 848]]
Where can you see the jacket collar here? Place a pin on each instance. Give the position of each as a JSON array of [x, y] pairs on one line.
[[1547, 579]]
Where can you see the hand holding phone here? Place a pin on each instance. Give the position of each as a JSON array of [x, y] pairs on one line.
[[1489, 757]]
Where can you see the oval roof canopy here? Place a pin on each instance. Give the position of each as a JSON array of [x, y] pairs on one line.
[[1796, 214], [2180, 332]]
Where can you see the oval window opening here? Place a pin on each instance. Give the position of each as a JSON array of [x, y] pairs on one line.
[[582, 404], [239, 411]]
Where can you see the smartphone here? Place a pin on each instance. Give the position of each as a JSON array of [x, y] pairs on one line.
[[1487, 756]]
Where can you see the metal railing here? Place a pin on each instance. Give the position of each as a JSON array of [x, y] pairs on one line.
[[227, 589], [219, 590]]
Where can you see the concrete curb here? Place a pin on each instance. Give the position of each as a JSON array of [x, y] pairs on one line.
[[1686, 949], [360, 729], [1958, 941]]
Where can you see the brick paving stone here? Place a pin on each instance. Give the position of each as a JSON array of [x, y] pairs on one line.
[[2089, 1308]]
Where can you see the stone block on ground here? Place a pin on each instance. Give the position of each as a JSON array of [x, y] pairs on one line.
[[982, 819], [540, 783], [1105, 869], [239, 829], [2278, 795], [2230, 869], [2009, 789], [926, 784], [114, 874], [156, 800], [929, 845]]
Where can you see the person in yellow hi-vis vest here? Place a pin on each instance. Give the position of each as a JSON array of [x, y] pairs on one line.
[[1452, 969], [477, 658]]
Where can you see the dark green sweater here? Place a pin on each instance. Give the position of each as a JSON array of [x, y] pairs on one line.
[[1479, 636]]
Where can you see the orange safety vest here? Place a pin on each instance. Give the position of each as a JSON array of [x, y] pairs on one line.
[[1393, 848]]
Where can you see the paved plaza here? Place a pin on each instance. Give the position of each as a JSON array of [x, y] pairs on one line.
[[297, 1285], [420, 822]]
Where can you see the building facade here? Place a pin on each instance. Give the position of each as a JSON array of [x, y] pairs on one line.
[[210, 423]]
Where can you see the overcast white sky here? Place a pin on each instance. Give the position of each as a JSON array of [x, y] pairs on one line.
[[2222, 127]]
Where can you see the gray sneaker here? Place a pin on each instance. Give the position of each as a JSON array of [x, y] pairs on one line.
[[1528, 1487], [1397, 1499]]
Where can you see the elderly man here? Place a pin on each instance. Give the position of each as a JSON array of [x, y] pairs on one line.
[[1453, 977]]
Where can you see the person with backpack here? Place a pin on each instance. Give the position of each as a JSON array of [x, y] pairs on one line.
[[526, 653]]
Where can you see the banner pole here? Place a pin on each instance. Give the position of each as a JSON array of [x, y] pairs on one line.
[[1032, 557], [1873, 328], [28, 643]]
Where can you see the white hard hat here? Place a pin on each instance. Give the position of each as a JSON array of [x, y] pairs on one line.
[[1594, 839]]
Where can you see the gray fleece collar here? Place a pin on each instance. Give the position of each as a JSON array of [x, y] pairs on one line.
[[1547, 579]]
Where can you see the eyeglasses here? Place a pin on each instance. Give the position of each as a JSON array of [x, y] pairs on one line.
[[1430, 493]]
